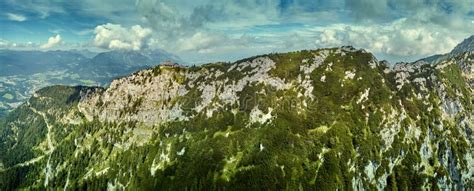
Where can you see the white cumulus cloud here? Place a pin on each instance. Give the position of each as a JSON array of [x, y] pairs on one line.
[[399, 38], [52, 41], [4, 43], [201, 42], [16, 17], [114, 36]]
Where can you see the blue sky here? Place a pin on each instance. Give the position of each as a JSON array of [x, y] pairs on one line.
[[208, 31]]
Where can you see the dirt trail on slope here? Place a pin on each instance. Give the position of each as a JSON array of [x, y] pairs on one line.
[[48, 168]]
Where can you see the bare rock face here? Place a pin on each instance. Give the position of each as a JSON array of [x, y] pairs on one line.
[[321, 119], [466, 63]]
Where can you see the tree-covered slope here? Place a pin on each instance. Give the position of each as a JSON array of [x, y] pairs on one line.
[[323, 119]]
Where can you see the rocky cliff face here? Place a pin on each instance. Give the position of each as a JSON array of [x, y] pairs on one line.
[[321, 119]]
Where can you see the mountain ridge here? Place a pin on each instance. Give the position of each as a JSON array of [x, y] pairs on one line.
[[333, 118]]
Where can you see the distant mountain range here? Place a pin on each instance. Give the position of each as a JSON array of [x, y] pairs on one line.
[[24, 72], [108, 65]]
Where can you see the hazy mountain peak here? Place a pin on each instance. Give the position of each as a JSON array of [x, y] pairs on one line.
[[467, 45]]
